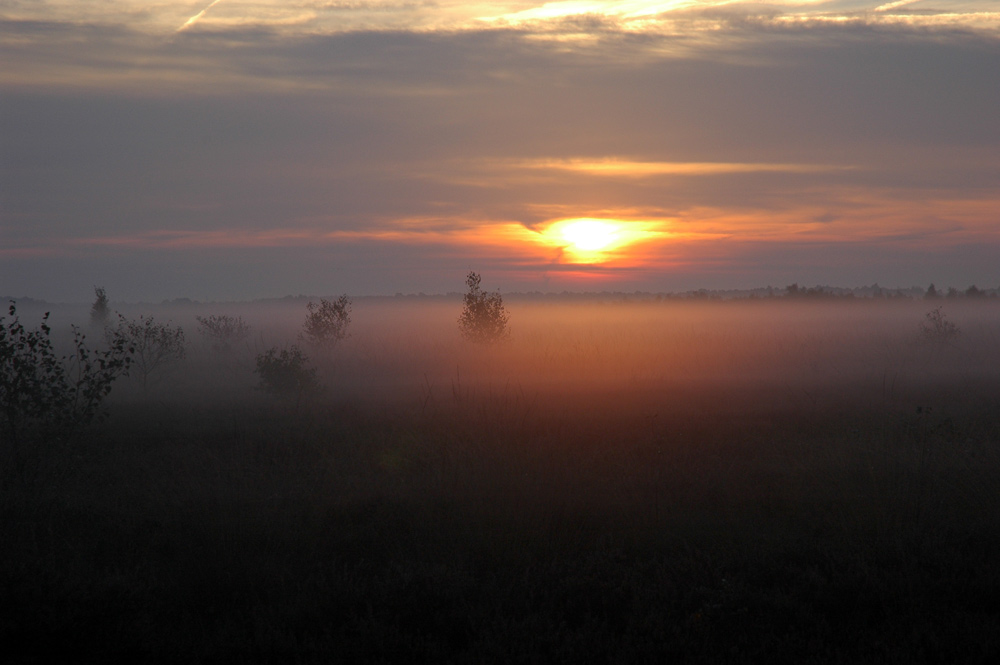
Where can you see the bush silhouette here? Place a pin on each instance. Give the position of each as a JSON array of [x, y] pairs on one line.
[[285, 373], [154, 345], [937, 329], [484, 319], [39, 387], [326, 323], [223, 330], [99, 310]]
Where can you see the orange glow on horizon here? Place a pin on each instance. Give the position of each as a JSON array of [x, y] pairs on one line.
[[608, 244]]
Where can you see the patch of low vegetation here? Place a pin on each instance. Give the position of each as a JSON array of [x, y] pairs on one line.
[[286, 373], [703, 539]]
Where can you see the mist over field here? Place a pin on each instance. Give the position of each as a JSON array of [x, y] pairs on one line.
[[660, 355], [624, 480]]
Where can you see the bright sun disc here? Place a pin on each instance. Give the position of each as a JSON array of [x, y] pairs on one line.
[[590, 240], [590, 235]]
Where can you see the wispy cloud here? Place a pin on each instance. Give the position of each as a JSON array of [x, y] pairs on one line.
[[894, 5], [674, 17], [614, 167], [283, 45], [194, 19]]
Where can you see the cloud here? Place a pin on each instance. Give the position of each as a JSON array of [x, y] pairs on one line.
[[564, 20], [194, 19], [893, 5], [615, 167]]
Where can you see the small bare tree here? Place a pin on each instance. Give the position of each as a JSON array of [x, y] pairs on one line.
[[937, 329], [39, 388], [154, 345], [484, 319], [326, 323], [99, 312], [223, 330]]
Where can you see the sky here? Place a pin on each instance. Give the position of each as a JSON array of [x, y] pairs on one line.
[[243, 149]]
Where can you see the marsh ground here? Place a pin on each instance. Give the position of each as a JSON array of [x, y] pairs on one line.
[[620, 482]]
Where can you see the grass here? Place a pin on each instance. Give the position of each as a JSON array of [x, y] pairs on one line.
[[439, 511]]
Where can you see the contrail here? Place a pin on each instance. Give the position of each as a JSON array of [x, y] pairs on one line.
[[194, 19], [887, 6]]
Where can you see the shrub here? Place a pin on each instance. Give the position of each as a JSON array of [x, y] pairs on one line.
[[484, 319], [154, 345], [286, 373], [99, 311], [937, 329], [326, 323], [38, 386], [223, 330]]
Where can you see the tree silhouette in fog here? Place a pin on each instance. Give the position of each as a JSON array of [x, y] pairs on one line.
[[937, 329], [154, 345], [224, 331], [55, 393], [99, 311], [326, 323], [484, 319]]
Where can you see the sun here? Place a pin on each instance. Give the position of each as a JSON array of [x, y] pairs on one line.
[[589, 235], [592, 240], [596, 240]]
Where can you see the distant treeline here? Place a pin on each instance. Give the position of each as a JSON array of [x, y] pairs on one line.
[[767, 292], [794, 291]]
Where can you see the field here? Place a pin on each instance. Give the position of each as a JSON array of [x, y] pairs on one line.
[[620, 482]]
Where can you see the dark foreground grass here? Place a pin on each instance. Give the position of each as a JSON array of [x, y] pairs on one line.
[[502, 528]]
